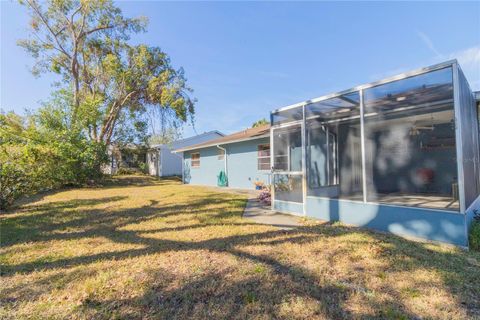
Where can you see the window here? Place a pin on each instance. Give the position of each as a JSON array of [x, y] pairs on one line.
[[221, 154], [195, 160], [264, 157]]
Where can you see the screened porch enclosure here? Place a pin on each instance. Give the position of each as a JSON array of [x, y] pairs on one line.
[[395, 142]]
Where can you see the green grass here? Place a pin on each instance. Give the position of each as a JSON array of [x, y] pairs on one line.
[[141, 248]]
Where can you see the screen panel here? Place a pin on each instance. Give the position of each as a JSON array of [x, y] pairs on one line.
[[410, 148], [334, 158]]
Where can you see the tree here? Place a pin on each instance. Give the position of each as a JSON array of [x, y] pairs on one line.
[[113, 84], [260, 122], [39, 152]]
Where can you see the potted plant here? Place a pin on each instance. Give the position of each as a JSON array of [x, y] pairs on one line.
[[259, 185]]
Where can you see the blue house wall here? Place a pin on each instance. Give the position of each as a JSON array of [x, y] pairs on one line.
[[437, 225], [242, 165]]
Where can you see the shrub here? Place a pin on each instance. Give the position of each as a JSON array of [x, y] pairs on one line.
[[265, 196], [127, 171], [474, 237], [32, 167], [43, 151], [13, 184], [143, 167]]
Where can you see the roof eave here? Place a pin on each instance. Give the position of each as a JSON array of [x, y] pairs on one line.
[[213, 144]]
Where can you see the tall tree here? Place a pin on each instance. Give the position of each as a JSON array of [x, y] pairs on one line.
[[260, 122], [86, 42]]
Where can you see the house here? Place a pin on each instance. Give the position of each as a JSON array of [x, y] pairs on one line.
[[243, 157], [162, 162], [399, 155]]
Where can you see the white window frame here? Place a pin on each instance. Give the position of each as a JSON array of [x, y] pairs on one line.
[[263, 157], [196, 160]]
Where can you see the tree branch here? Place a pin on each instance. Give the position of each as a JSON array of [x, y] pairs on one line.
[[45, 22]]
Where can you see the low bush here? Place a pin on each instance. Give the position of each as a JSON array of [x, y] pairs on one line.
[[29, 168], [127, 171], [36, 155]]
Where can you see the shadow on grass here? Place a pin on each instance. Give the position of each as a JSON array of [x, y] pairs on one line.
[[214, 295], [137, 181]]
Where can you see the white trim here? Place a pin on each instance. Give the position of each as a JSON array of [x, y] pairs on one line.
[[287, 124], [458, 138], [362, 147], [272, 176], [264, 157], [191, 160], [304, 161]]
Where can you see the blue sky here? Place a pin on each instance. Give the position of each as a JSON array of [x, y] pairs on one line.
[[244, 59]]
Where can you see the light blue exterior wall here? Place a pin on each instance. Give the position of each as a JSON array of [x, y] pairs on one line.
[[429, 224], [242, 165], [210, 167], [288, 207], [437, 225]]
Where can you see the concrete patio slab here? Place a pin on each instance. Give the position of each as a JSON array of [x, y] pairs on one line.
[[261, 213]]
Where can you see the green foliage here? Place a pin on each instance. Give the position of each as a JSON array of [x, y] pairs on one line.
[[109, 87], [143, 167], [260, 122], [38, 153], [167, 136], [13, 183], [474, 237], [127, 171], [113, 84]]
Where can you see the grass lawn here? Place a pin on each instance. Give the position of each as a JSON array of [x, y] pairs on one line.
[[145, 248]]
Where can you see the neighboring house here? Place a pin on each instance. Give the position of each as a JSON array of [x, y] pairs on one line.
[[399, 155], [244, 157], [162, 162]]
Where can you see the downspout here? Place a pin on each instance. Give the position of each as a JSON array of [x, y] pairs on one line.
[[224, 160]]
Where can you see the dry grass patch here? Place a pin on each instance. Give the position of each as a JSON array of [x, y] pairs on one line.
[[145, 248]]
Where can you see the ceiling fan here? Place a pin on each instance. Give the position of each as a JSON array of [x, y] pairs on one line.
[[416, 129]]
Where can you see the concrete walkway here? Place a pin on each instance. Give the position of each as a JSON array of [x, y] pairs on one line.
[[260, 213]]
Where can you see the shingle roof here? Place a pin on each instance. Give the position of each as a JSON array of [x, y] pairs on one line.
[[248, 134]]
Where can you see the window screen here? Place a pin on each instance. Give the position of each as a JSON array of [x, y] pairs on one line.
[[334, 158], [410, 142], [287, 153], [263, 157]]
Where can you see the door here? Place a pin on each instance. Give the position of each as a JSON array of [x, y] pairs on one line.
[[287, 161]]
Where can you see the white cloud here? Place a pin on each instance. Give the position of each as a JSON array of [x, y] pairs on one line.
[[429, 43], [469, 60]]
